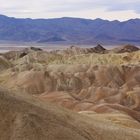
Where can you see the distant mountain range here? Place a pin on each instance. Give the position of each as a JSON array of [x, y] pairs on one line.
[[70, 30]]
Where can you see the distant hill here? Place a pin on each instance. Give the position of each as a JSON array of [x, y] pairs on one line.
[[52, 39], [70, 30]]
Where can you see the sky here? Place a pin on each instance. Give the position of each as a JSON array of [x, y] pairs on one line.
[[90, 9]]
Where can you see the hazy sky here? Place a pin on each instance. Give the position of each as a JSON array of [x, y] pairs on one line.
[[106, 9]]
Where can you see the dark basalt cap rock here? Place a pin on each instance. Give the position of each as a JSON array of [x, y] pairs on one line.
[[126, 48], [35, 49], [99, 49], [28, 50]]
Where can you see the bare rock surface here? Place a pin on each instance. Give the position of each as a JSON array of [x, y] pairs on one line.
[[100, 89], [24, 117]]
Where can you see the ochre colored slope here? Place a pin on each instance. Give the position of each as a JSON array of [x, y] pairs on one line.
[[23, 118]]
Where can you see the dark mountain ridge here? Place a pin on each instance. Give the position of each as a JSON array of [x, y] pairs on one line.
[[70, 30]]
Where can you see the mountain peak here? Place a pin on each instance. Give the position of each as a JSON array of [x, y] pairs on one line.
[[3, 16]]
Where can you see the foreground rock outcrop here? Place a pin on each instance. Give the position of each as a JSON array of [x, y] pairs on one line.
[[28, 118]]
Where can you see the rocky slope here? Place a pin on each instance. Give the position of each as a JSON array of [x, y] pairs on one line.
[[126, 48], [34, 120], [101, 86]]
